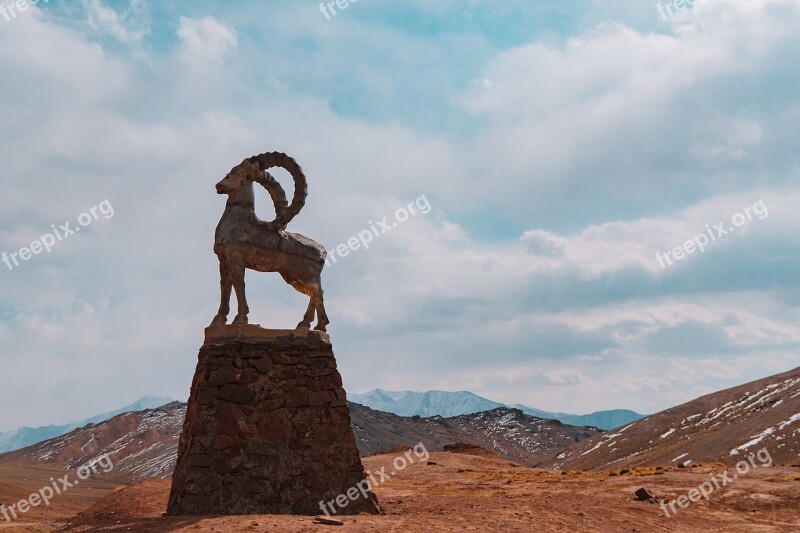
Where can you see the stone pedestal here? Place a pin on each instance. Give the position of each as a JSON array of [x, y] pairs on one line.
[[267, 429]]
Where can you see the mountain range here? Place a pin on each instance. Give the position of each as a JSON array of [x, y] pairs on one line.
[[449, 404], [143, 445], [723, 427], [26, 436], [405, 403]]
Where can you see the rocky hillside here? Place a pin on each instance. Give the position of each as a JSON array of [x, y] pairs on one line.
[[143, 445], [28, 436], [507, 432], [725, 427]]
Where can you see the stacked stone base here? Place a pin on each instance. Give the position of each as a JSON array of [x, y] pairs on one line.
[[267, 429]]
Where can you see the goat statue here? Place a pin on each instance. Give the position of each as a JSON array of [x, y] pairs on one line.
[[243, 241]]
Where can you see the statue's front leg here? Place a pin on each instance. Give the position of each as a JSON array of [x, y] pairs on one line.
[[237, 277], [226, 284]]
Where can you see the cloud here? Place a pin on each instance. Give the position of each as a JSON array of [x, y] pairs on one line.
[[645, 120], [554, 180], [128, 27], [205, 40], [641, 244], [542, 242], [737, 135]]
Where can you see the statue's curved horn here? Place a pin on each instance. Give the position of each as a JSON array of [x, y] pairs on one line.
[[278, 195], [284, 214]]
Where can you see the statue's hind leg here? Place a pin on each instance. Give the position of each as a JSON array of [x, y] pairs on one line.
[[311, 286], [225, 303]]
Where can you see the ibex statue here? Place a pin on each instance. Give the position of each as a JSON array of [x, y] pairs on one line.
[[243, 241]]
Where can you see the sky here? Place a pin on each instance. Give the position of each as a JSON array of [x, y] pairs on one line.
[[605, 194]]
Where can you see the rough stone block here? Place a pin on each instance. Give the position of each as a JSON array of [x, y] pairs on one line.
[[267, 429]]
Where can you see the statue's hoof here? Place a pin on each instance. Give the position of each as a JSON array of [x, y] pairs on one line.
[[302, 326], [218, 321], [323, 329], [240, 320]]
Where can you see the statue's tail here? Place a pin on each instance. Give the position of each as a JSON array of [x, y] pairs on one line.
[[283, 213]]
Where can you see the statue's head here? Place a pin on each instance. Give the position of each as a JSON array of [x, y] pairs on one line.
[[240, 176]]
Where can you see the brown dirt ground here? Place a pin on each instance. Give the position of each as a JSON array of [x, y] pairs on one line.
[[474, 493], [18, 482]]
